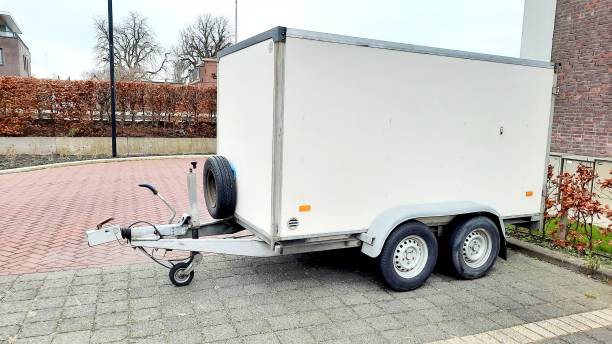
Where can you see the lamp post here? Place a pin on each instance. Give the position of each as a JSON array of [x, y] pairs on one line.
[[111, 59]]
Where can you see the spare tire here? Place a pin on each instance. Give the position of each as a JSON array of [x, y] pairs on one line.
[[219, 187]]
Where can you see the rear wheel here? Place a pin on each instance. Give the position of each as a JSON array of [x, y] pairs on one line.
[[408, 256], [473, 247]]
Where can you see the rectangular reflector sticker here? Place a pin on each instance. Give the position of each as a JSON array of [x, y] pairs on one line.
[[304, 208]]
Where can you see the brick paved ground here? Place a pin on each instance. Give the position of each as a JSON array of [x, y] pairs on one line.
[[45, 213], [330, 297]]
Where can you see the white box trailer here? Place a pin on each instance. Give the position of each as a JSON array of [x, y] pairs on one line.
[[336, 141]]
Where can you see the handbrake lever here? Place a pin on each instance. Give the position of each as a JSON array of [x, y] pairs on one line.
[[156, 193]]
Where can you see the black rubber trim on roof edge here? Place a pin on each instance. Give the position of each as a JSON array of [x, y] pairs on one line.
[[277, 34]]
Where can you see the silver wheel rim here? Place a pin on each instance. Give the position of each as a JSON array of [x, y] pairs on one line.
[[180, 276], [410, 256], [476, 248]]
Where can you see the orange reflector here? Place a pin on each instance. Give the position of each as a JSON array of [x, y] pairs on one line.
[[528, 193], [304, 207]]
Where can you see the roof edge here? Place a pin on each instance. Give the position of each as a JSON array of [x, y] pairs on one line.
[[11, 23], [277, 34], [280, 33], [419, 49]]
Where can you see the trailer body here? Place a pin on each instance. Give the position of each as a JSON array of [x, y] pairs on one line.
[[328, 142], [325, 132]]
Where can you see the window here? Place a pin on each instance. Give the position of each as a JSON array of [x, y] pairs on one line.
[[1, 57]]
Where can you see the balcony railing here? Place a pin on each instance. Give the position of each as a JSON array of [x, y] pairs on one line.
[[8, 34]]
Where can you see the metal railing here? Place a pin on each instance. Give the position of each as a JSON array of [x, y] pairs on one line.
[[8, 34]]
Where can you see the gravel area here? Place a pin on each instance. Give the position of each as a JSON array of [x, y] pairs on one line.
[[35, 160]]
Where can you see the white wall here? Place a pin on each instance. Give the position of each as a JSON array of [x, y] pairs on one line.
[[419, 129], [245, 126], [538, 26]]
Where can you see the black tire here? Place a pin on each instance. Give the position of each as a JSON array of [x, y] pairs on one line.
[[475, 230], [219, 187], [389, 265], [176, 276]]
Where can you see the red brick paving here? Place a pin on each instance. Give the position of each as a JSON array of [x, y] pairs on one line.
[[45, 213]]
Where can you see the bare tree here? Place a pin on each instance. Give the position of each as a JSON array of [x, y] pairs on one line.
[[137, 52], [203, 39]]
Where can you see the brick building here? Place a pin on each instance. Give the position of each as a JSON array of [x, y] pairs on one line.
[[205, 73], [576, 35], [14, 54], [582, 50]]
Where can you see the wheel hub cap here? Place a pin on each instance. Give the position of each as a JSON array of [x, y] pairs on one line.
[[410, 256], [180, 275], [476, 248]]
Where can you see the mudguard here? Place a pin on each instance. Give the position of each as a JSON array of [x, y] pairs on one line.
[[374, 239]]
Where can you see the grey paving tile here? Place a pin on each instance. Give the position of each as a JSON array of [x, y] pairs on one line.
[[351, 299], [145, 328], [403, 335], [289, 321], [37, 329], [109, 334], [12, 319], [71, 337], [267, 338], [111, 307], [79, 311], [48, 303], [251, 327], [8, 332], [505, 318], [51, 292], [110, 320], [158, 339], [219, 332], [341, 313], [295, 336], [147, 314], [75, 324], [429, 333], [191, 336], [368, 310], [180, 323], [33, 340], [602, 334], [43, 315], [384, 322]]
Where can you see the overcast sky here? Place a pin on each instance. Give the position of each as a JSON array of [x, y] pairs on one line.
[[60, 33]]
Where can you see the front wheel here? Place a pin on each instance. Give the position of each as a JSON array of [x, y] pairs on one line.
[[473, 247], [178, 277], [408, 256]]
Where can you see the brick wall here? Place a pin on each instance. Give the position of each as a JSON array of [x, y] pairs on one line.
[[582, 44]]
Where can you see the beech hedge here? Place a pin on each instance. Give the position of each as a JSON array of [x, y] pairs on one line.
[[42, 107]]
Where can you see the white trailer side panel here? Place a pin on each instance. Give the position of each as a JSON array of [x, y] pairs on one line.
[[245, 122], [368, 129]]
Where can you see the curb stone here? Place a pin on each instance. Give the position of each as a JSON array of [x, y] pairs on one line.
[[557, 258], [100, 161]]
